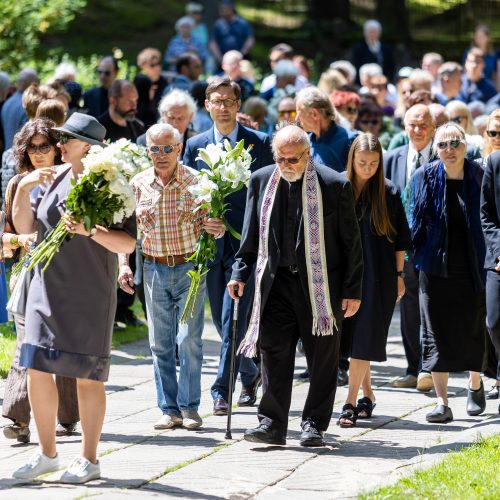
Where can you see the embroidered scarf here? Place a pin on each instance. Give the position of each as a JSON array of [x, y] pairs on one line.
[[317, 276]]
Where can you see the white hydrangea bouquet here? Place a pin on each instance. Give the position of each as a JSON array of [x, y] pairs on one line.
[[102, 195], [228, 171]]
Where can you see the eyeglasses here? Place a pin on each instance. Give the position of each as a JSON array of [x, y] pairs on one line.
[[458, 119], [291, 161], [291, 114], [351, 111], [63, 138], [228, 103], [493, 133], [166, 149], [453, 143], [104, 72], [369, 122], [154, 65], [42, 148]]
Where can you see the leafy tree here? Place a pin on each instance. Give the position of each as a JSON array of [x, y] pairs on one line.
[[23, 22]]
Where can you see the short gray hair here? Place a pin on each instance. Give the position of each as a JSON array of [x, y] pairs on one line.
[[291, 134], [345, 67], [372, 23], [26, 78], [312, 97], [285, 67], [177, 97], [162, 128], [370, 69]]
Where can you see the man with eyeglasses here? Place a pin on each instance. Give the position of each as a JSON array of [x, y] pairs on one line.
[[330, 142], [223, 102], [95, 100], [170, 226], [400, 164], [301, 234]]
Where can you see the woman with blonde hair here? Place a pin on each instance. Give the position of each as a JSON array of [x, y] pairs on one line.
[[492, 135], [386, 237]]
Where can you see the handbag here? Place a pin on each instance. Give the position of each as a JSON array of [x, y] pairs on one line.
[[19, 296]]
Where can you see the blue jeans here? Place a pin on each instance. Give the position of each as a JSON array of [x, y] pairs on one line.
[[166, 289]]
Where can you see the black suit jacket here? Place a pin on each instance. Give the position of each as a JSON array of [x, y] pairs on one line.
[[344, 255], [490, 210], [361, 54], [261, 156], [95, 101]]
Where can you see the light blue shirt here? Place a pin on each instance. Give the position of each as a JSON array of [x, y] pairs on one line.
[[231, 136]]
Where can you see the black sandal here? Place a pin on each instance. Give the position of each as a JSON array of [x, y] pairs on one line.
[[348, 413], [367, 405]]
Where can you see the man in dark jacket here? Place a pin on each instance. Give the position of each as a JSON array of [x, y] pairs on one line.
[[301, 232]]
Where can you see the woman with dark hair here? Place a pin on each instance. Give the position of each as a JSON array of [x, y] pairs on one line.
[[34, 150], [449, 251], [385, 237]]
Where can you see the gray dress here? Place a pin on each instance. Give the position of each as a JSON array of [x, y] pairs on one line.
[[71, 306]]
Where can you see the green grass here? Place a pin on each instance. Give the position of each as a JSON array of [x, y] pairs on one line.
[[7, 347], [471, 473]]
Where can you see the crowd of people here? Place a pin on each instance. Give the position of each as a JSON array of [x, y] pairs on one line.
[[373, 187]]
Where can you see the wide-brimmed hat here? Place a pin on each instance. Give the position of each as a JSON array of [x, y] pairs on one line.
[[85, 128]]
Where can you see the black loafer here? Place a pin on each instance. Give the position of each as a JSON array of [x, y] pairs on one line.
[[310, 435], [476, 401], [304, 375], [248, 394], [220, 407], [264, 434], [342, 377], [440, 415], [494, 392]]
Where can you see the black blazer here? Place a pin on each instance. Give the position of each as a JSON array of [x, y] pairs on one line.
[[490, 210], [361, 54], [96, 101], [344, 254], [261, 156]]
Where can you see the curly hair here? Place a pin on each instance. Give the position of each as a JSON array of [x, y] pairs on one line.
[[39, 126]]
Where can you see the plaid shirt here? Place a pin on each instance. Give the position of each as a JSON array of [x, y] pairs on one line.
[[165, 214]]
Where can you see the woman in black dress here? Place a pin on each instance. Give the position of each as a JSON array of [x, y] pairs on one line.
[[449, 251], [385, 238], [70, 307]]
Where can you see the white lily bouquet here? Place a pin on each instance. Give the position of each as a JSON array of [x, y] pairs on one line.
[[228, 171], [102, 195]]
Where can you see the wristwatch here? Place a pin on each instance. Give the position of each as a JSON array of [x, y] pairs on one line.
[[93, 232], [401, 274]]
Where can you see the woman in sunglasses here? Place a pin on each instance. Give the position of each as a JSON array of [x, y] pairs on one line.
[[34, 150], [347, 104], [386, 237], [492, 135], [449, 251]]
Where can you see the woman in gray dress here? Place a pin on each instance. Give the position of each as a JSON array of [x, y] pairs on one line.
[[70, 307]]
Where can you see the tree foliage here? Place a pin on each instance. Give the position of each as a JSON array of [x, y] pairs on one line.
[[23, 22]]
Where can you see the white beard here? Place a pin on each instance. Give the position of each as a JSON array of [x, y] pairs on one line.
[[291, 176]]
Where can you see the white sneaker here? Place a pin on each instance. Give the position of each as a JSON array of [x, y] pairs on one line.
[[81, 470], [168, 422], [38, 464], [191, 419]]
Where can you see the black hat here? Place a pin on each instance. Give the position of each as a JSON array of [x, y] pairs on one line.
[[85, 128]]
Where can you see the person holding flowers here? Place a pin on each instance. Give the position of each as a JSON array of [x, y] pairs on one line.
[[171, 225], [71, 302]]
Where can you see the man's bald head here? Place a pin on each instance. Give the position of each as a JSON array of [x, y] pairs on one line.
[[291, 150], [291, 134], [419, 125]]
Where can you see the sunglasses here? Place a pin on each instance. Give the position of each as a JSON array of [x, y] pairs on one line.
[[42, 148], [458, 119], [291, 161], [104, 72], [64, 139], [454, 143], [351, 111], [157, 150], [154, 65], [369, 122], [493, 133], [291, 114]]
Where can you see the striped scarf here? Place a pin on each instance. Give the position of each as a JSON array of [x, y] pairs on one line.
[[317, 276]]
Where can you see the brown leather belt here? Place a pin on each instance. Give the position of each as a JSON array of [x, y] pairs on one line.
[[168, 260]]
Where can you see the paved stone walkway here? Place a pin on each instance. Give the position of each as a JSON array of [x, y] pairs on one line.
[[138, 462]]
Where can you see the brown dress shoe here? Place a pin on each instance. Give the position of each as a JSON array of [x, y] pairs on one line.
[[248, 394], [220, 407]]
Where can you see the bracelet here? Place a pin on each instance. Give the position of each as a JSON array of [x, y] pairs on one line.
[[400, 274]]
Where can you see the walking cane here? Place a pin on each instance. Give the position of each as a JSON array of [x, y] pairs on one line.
[[231, 370]]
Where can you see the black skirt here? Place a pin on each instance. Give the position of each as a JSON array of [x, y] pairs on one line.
[[453, 323]]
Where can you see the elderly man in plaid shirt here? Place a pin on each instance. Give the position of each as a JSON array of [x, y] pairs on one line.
[[170, 230]]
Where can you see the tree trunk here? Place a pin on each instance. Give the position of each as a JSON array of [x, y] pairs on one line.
[[322, 10], [393, 16]]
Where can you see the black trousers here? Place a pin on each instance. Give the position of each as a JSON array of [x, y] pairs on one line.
[[493, 310], [285, 319], [410, 320]]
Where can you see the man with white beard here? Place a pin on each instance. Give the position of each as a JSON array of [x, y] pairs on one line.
[[300, 230]]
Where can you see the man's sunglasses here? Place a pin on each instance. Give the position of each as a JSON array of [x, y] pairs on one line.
[[291, 161], [157, 150], [104, 72], [43, 148], [291, 114], [63, 138], [454, 143], [493, 133]]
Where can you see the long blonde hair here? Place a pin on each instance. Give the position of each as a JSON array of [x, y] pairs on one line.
[[373, 193]]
